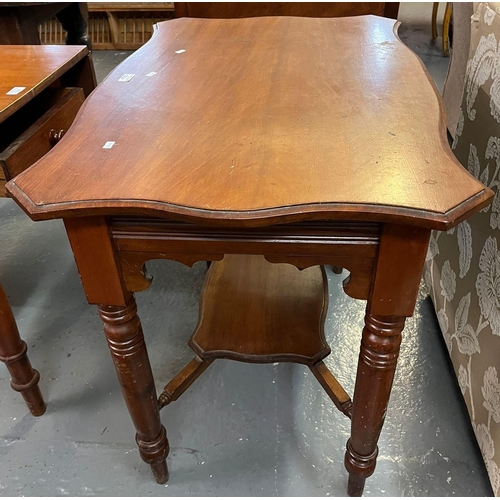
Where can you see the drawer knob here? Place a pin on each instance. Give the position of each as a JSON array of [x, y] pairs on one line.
[[55, 136]]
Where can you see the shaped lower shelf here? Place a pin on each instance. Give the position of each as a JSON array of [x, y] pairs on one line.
[[258, 312]]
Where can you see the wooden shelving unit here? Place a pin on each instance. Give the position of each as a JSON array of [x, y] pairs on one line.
[[113, 25]]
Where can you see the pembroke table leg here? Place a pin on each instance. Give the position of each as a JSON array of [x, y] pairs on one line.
[[13, 352], [377, 363], [126, 342]]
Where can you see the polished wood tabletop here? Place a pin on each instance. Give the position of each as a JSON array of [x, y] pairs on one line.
[[33, 67], [256, 121]]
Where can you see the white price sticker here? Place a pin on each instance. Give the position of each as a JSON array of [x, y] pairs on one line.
[[126, 77], [15, 90], [108, 145]]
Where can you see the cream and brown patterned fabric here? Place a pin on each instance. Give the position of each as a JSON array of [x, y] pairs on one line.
[[463, 265], [455, 79]]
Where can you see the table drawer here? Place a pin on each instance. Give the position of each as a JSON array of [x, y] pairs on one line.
[[3, 181], [41, 136]]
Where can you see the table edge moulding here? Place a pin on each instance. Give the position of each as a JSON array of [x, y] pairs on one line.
[[240, 143]]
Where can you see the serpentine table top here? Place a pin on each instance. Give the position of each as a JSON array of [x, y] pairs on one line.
[[311, 119]]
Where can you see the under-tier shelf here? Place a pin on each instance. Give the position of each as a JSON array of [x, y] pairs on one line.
[[258, 312], [255, 311]]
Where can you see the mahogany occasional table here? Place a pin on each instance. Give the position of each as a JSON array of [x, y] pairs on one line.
[[266, 140]]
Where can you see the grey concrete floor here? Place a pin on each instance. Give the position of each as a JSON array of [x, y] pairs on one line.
[[241, 429]]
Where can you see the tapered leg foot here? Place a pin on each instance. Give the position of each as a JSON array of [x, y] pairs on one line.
[[155, 454], [128, 350], [355, 486], [160, 472], [30, 392], [359, 468], [13, 352]]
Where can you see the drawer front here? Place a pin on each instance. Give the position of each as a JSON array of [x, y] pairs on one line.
[[3, 181], [38, 139]]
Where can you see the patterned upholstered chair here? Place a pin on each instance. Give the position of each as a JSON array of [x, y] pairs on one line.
[[463, 266]]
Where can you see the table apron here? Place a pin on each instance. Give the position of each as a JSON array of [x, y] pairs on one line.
[[350, 246]]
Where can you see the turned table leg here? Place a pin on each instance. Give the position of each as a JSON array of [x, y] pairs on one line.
[[377, 364], [393, 295], [13, 352], [101, 276], [126, 342]]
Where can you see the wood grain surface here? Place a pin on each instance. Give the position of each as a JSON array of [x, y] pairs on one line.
[[46, 64], [254, 311], [259, 121]]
